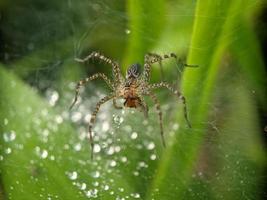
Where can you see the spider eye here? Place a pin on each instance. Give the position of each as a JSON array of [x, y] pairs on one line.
[[133, 71]]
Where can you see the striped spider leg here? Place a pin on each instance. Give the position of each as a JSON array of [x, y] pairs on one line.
[[176, 93], [118, 79], [151, 58]]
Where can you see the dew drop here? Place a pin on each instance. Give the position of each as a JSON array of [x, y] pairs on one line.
[[127, 31], [58, 119], [175, 127], [136, 173], [153, 157], [44, 154], [97, 148], [118, 119], [77, 147], [124, 159], [73, 175], [113, 163], [9, 136], [150, 146], [92, 193], [110, 150], [134, 135], [96, 174], [5, 121], [52, 96], [83, 186], [135, 195], [95, 183], [8, 150], [106, 187], [76, 116], [105, 126]]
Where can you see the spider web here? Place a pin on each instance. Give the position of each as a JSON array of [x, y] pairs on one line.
[[39, 46]]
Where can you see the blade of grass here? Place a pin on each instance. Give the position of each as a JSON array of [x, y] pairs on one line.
[[212, 33], [146, 22], [39, 160]]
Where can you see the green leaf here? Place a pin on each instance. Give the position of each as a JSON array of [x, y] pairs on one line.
[[38, 149], [212, 34]]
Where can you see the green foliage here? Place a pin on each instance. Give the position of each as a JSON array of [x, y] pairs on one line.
[[44, 155]]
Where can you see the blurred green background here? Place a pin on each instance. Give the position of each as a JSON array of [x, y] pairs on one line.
[[44, 153]]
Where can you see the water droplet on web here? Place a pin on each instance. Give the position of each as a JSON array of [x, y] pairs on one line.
[[45, 133], [9, 136], [105, 126], [150, 146], [96, 174], [118, 119], [142, 164], [175, 127], [127, 31], [58, 119], [8, 150], [83, 186], [77, 147], [135, 195], [153, 157], [44, 154], [5, 121], [136, 173], [110, 151], [113, 163], [72, 175], [117, 149], [123, 159], [97, 148], [106, 187], [92, 193], [134, 135], [52, 97], [76, 116], [96, 183]]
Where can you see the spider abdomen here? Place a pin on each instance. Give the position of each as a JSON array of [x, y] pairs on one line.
[[131, 97], [132, 102]]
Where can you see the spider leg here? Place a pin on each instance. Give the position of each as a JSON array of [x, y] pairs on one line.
[[115, 66], [154, 56], [86, 80], [175, 92], [156, 102], [143, 106], [93, 118], [151, 58], [158, 58], [116, 105]]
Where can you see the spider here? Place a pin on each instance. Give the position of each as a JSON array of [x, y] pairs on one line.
[[132, 88]]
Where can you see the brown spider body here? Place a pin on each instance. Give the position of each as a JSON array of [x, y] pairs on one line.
[[131, 88], [130, 94]]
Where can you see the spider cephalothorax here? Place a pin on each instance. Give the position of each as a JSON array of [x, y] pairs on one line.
[[132, 88]]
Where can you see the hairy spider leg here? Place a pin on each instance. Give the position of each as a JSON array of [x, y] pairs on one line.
[[115, 66], [86, 80], [159, 58], [151, 58], [155, 56], [93, 119], [175, 92], [143, 106], [116, 105], [156, 102]]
